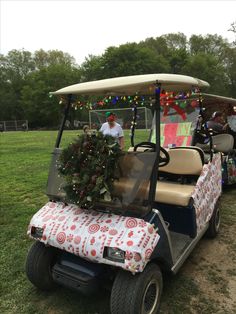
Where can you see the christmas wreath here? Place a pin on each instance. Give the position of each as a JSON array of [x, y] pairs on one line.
[[89, 166]]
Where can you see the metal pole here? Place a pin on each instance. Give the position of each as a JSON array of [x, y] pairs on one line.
[[66, 111], [90, 123], [133, 125], [153, 182], [146, 118]]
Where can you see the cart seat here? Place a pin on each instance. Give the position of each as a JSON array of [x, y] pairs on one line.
[[221, 143], [184, 161], [174, 193], [186, 165], [166, 192]]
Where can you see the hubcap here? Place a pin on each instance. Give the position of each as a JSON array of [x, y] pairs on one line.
[[150, 297]]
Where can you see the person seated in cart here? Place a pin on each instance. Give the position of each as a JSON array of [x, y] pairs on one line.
[[231, 119], [216, 123]]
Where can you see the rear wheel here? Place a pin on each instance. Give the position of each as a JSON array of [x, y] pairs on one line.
[[38, 266], [214, 223], [139, 294]]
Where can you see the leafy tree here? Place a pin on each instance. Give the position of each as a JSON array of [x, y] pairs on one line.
[[27, 78], [172, 47], [14, 69], [158, 45], [233, 29], [92, 68], [130, 59], [17, 64], [175, 41], [230, 67], [207, 67], [209, 44], [39, 109], [52, 57], [230, 62]]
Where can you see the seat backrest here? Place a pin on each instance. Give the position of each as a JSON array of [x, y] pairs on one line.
[[184, 161], [223, 142]]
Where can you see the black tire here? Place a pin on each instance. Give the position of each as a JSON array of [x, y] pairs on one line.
[[214, 223], [38, 266], [137, 294]]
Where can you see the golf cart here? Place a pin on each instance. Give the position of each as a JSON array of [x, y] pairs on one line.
[[164, 201], [224, 142], [187, 125]]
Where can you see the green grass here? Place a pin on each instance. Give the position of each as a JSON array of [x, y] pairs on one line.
[[24, 164]]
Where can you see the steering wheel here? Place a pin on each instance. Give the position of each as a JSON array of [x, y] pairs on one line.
[[148, 145], [163, 160]]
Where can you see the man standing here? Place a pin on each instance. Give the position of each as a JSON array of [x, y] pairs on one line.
[[111, 127]]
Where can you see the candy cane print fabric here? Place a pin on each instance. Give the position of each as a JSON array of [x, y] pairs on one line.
[[86, 233], [207, 191]]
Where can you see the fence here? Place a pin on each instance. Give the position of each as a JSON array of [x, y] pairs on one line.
[[14, 125], [124, 117]]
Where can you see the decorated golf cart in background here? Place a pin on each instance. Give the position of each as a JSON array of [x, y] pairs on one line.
[[226, 141], [152, 209], [184, 122]]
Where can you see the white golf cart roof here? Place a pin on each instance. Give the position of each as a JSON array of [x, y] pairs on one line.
[[213, 99], [130, 85]]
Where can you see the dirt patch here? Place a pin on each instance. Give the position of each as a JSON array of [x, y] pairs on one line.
[[212, 266], [206, 283]]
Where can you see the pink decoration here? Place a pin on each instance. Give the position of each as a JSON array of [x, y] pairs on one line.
[[207, 190], [86, 233]]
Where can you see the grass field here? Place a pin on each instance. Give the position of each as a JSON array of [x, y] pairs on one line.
[[24, 163]]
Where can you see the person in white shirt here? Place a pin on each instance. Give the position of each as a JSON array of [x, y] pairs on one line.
[[111, 127]]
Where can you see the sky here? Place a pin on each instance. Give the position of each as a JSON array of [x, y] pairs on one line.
[[83, 28]]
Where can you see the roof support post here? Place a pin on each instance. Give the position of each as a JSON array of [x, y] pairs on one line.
[[133, 124], [66, 111], [157, 110]]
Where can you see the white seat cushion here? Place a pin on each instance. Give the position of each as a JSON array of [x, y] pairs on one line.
[[166, 192], [173, 193]]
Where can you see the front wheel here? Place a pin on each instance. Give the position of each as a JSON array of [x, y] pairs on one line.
[[139, 294], [39, 264]]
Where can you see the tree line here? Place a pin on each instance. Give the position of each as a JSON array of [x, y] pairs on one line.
[[26, 78]]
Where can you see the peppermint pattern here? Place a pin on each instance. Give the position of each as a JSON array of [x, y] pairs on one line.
[[86, 233], [207, 191]]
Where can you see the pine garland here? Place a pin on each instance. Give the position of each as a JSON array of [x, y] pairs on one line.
[[89, 166]]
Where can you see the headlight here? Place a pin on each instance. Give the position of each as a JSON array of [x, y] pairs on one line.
[[36, 232], [114, 254]]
